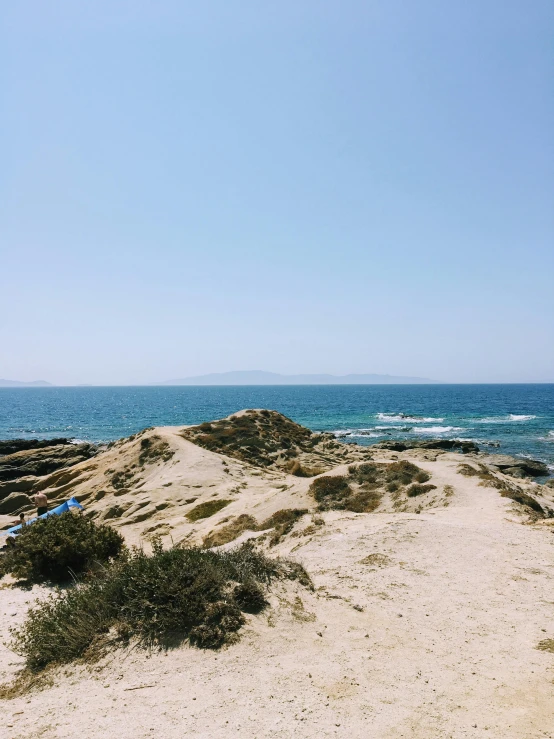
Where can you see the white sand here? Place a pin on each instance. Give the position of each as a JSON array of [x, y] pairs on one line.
[[435, 638]]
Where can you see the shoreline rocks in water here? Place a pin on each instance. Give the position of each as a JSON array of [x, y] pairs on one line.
[[465, 447]]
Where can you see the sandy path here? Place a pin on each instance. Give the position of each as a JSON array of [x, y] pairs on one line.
[[444, 646]]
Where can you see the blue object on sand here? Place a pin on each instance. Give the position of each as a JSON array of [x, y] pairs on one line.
[[63, 508]]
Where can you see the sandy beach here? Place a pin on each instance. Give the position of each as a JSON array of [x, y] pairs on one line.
[[425, 619]]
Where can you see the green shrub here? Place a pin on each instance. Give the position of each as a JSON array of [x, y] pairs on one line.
[[422, 476], [58, 547], [336, 492], [158, 599], [330, 491], [416, 489], [250, 597], [365, 473], [363, 501], [403, 472], [207, 509]]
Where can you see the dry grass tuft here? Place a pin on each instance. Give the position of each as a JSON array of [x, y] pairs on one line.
[[207, 509], [376, 560], [231, 531], [546, 645], [283, 522]]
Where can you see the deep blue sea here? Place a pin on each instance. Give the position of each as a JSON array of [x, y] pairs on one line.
[[517, 418]]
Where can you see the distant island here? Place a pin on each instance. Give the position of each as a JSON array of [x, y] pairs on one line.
[[18, 383], [259, 377]]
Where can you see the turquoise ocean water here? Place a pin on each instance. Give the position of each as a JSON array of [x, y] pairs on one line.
[[511, 419]]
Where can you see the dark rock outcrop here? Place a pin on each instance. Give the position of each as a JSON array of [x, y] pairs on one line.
[[14, 503], [517, 466], [25, 463], [11, 446], [447, 444], [43, 461]]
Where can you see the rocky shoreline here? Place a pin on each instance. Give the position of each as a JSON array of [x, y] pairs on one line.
[[27, 465]]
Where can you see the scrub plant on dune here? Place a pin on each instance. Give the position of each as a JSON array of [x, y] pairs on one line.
[[157, 599], [363, 488], [58, 548]]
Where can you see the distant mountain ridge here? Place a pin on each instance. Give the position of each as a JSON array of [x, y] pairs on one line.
[[18, 383], [259, 377]]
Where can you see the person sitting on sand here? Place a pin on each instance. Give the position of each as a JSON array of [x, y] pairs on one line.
[[41, 502], [20, 521]]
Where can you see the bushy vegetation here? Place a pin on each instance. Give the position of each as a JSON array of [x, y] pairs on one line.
[[331, 491], [156, 600], [257, 437], [417, 489], [58, 548], [362, 489], [207, 509]]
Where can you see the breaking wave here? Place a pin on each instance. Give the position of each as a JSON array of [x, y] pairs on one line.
[[402, 417], [438, 429], [356, 433], [504, 419]]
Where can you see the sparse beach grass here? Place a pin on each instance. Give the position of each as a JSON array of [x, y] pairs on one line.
[[207, 509]]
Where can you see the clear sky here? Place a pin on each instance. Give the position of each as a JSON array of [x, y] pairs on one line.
[[288, 185]]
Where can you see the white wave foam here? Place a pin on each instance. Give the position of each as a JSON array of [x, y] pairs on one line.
[[366, 435], [438, 429], [351, 433], [504, 419], [392, 428], [402, 418]]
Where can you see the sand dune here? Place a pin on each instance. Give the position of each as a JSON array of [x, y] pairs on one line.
[[424, 622]]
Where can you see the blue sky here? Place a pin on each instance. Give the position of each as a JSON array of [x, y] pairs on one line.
[[191, 187]]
